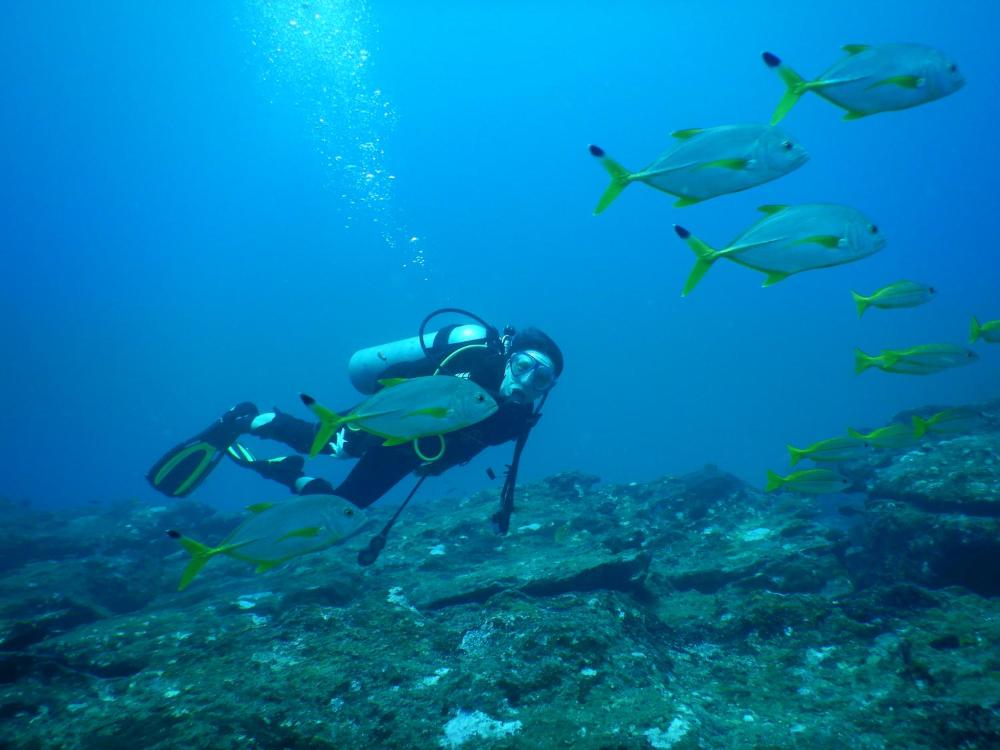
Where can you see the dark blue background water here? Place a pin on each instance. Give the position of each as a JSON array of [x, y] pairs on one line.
[[187, 222]]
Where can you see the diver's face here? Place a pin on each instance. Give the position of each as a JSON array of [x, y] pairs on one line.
[[528, 376]]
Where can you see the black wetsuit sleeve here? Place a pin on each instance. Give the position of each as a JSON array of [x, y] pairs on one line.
[[377, 472]]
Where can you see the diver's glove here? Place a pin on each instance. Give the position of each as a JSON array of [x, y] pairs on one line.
[[338, 446]]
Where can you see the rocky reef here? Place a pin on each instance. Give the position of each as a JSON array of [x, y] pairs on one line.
[[689, 612]]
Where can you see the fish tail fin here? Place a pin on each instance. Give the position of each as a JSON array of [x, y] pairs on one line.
[[773, 481], [706, 257], [329, 421], [861, 302], [200, 554], [863, 361], [620, 178], [795, 84], [795, 454], [975, 330], [920, 426]]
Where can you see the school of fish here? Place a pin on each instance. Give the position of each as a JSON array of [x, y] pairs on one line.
[[709, 162]]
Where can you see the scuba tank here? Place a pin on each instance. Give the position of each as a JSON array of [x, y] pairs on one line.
[[422, 354]]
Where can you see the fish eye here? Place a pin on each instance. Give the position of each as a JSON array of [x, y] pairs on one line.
[[953, 68], [349, 512], [873, 228], [480, 398], [931, 290], [787, 145]]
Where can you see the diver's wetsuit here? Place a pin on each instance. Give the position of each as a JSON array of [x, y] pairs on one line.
[[381, 467]]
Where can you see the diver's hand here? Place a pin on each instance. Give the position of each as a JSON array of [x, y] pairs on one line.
[[338, 446]]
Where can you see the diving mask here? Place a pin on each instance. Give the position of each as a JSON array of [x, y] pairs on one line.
[[529, 374]]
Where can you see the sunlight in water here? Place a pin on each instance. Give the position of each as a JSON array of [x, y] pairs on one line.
[[317, 55]]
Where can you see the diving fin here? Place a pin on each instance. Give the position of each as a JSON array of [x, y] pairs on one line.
[[185, 466]]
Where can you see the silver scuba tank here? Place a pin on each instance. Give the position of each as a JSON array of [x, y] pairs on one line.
[[367, 366]]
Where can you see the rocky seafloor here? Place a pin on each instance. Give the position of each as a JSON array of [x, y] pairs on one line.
[[690, 612]]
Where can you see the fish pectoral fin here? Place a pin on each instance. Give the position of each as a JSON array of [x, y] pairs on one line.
[[686, 201], [686, 133], [853, 49], [307, 532], [438, 412], [774, 277], [259, 507], [826, 240], [389, 442], [390, 382], [734, 164], [771, 208], [903, 81]]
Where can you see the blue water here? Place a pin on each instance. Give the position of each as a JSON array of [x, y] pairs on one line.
[[203, 205]]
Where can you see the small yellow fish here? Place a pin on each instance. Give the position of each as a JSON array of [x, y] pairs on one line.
[[809, 481], [899, 294], [917, 360], [897, 435], [830, 450], [949, 421]]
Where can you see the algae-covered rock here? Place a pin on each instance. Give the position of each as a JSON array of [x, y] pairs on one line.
[[688, 612]]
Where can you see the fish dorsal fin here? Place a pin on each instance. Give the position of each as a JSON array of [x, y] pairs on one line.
[[771, 208], [853, 49], [259, 507], [685, 134], [390, 382]]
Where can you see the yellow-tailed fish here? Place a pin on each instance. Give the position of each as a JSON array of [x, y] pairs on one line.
[[988, 331], [899, 294], [277, 532], [409, 409], [706, 162], [808, 481], [874, 78], [950, 421], [896, 435], [832, 450], [792, 239], [925, 359]]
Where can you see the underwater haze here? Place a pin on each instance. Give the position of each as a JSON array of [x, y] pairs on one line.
[[206, 203]]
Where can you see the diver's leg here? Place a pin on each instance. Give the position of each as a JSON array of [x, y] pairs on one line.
[[288, 471], [298, 434], [378, 471]]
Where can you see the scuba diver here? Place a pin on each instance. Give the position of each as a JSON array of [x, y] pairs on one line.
[[517, 368]]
